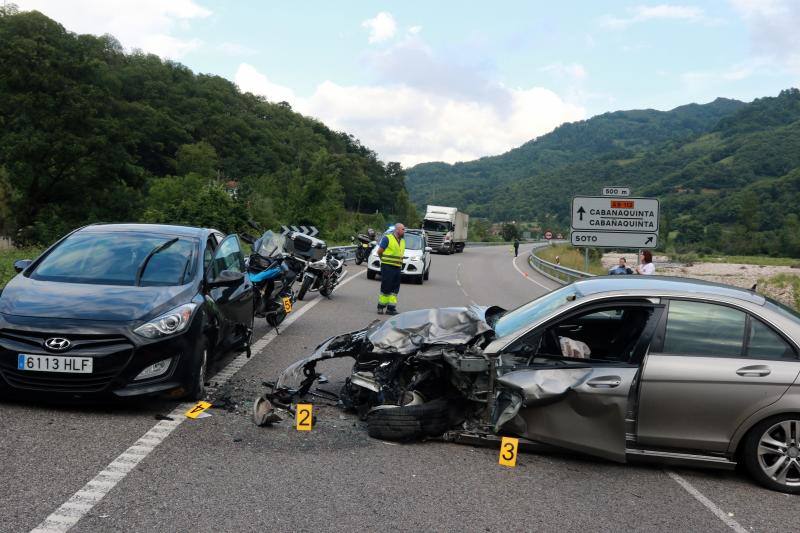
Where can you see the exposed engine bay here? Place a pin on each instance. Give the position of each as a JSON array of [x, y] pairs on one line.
[[425, 374]]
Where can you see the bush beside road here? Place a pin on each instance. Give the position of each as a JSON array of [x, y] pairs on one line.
[[571, 258]]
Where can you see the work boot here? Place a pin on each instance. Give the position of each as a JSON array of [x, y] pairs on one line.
[[381, 308], [391, 310]]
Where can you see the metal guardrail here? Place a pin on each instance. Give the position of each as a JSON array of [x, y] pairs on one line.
[[347, 252], [557, 273]]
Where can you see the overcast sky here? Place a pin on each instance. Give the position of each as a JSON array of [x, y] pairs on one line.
[[457, 80]]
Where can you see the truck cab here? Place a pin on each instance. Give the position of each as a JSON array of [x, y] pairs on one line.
[[446, 228]]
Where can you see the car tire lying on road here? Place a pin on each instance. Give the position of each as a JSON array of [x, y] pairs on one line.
[[411, 422]]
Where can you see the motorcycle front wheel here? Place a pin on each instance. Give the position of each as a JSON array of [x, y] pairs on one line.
[[304, 288]]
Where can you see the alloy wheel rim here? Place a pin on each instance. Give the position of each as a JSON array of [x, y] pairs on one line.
[[779, 453]]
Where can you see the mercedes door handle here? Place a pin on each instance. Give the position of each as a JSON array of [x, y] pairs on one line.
[[605, 382], [755, 371]]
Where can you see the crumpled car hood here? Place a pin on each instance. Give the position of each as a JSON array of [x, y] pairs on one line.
[[410, 331]]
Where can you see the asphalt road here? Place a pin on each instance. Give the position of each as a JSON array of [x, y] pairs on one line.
[[224, 474]]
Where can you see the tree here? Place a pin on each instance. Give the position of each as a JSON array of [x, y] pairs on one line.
[[198, 158], [509, 232]]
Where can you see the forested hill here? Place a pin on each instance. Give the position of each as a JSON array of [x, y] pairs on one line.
[[727, 173], [90, 133]]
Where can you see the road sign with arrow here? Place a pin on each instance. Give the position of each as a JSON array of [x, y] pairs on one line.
[[614, 222], [606, 213], [613, 239]]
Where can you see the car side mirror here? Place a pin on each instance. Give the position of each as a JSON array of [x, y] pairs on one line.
[[22, 264], [353, 240], [227, 278], [428, 249]]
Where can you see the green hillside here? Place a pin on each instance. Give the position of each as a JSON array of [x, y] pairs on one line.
[[727, 173], [89, 133]]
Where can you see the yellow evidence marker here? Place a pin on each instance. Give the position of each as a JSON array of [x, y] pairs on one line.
[[303, 418], [508, 451], [287, 305], [197, 409]]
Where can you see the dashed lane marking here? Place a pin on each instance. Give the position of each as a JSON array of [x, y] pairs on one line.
[[82, 502]]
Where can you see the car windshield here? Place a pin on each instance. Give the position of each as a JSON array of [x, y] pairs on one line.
[[115, 259], [413, 241], [532, 311], [435, 225]]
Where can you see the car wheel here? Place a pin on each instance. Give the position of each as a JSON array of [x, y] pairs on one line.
[[197, 386], [419, 279], [370, 274], [304, 288], [359, 259], [426, 274], [772, 453], [410, 422]]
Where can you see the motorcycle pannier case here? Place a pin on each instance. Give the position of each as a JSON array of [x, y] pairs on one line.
[[309, 248]]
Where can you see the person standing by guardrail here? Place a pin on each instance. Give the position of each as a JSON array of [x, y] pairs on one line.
[[516, 246], [391, 250], [646, 266]]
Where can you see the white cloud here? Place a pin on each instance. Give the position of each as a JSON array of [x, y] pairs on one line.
[[145, 24], [574, 71], [414, 30], [251, 80], [413, 125], [381, 28], [236, 49], [774, 27], [658, 12]]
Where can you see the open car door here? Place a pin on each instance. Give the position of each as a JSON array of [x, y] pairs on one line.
[[575, 378]]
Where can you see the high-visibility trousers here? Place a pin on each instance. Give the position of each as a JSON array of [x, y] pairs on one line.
[[390, 285]]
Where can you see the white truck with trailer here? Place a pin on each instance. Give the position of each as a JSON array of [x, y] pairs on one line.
[[446, 229]]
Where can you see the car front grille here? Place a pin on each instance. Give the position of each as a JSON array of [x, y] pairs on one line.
[[110, 354]]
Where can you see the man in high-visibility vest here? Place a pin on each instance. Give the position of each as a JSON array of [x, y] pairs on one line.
[[391, 250]]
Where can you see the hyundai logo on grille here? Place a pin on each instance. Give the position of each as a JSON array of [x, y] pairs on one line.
[[57, 344]]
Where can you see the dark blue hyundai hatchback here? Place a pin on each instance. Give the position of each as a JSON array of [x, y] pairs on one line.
[[127, 309]]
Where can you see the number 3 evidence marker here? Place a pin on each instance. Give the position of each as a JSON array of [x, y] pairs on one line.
[[508, 451]]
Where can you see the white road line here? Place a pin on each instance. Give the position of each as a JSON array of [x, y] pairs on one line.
[[711, 506], [83, 501], [514, 262]]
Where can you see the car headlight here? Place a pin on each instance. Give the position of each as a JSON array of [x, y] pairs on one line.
[[167, 324]]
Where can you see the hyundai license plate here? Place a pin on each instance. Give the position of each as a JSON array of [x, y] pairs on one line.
[[54, 363]]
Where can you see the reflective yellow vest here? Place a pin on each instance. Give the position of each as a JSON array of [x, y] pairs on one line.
[[393, 254]]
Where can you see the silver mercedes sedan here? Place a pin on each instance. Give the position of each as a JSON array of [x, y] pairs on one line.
[[628, 368]]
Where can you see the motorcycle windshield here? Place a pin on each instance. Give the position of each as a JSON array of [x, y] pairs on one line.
[[270, 244]]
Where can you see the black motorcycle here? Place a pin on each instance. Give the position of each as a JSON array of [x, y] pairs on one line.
[[323, 275], [273, 273], [364, 246]]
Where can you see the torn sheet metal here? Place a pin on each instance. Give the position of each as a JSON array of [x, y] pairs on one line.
[[545, 385], [410, 331], [298, 373]]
